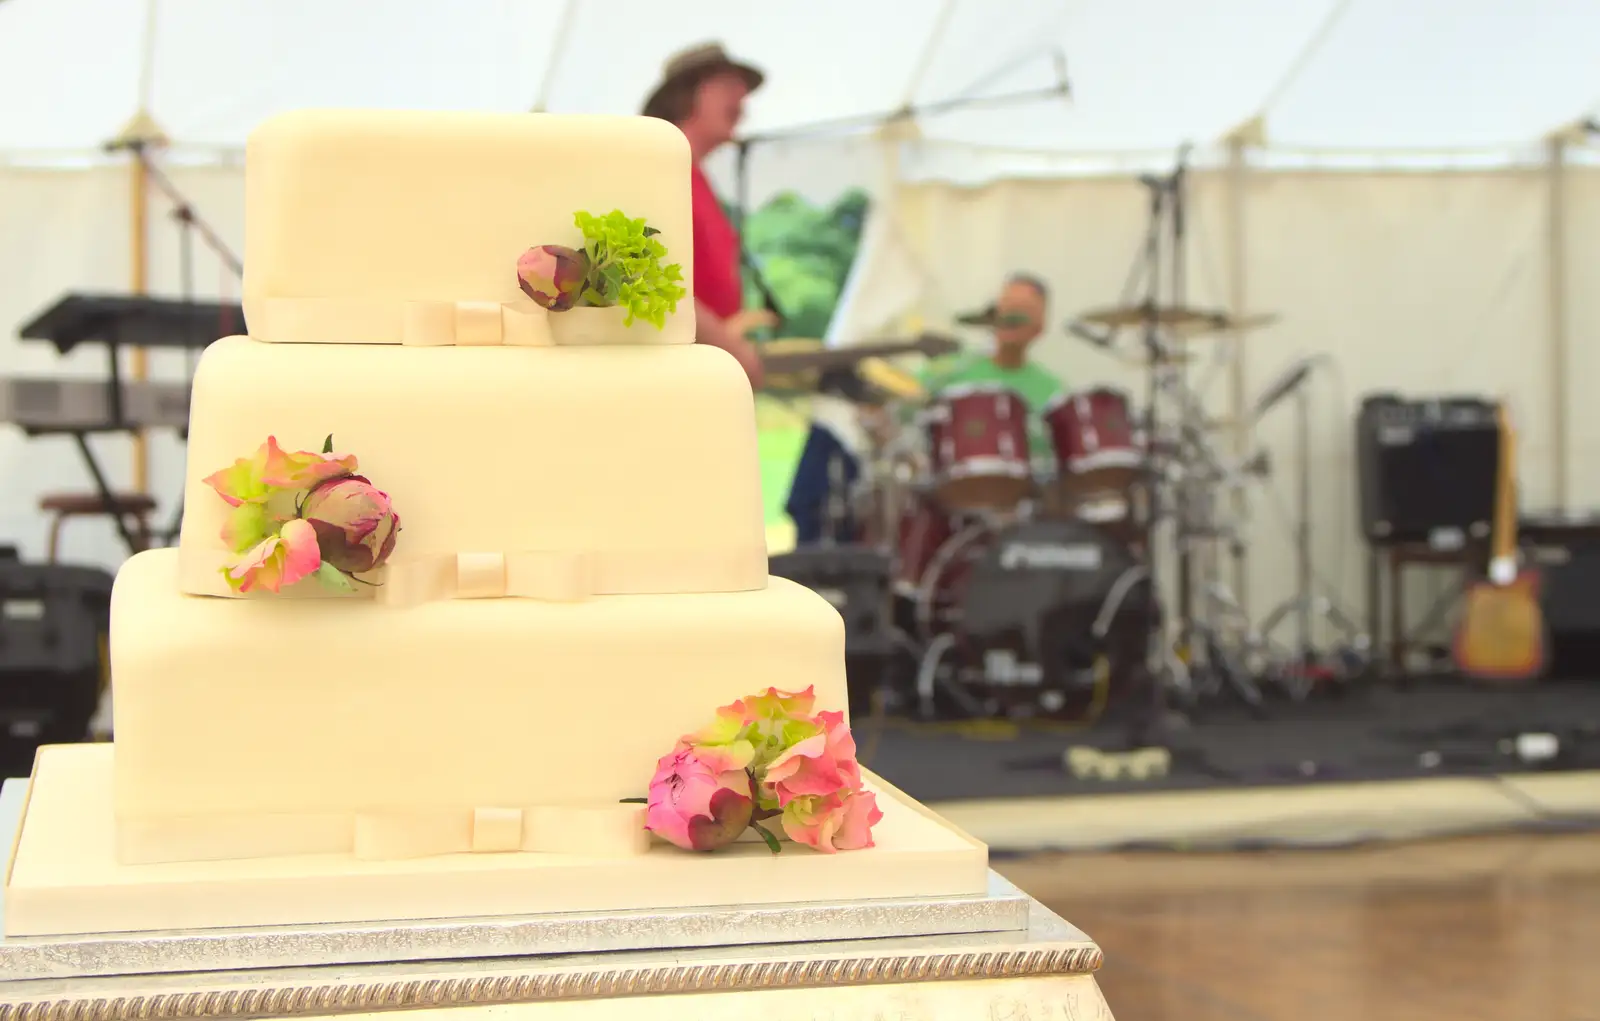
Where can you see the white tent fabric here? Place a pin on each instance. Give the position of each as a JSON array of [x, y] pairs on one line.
[[1345, 219], [1145, 74]]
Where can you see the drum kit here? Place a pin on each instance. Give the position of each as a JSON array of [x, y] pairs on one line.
[[1034, 582], [1023, 579]]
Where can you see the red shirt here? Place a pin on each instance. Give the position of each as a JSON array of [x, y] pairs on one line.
[[718, 284]]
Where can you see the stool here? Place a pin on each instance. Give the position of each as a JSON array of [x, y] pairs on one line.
[[61, 506]]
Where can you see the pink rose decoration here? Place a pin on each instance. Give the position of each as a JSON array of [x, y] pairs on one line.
[[765, 757], [553, 275], [354, 521], [773, 706], [278, 560], [775, 720], [248, 524], [818, 765], [841, 821], [699, 800], [241, 482], [303, 469], [254, 479]]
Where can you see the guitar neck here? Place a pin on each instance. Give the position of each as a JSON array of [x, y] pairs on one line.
[[1503, 543], [836, 357]]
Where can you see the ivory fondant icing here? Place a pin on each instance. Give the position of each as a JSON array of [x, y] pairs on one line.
[[354, 217], [611, 470], [298, 726]]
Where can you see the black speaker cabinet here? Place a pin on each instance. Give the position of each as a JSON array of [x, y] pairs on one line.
[[1426, 468], [54, 620]]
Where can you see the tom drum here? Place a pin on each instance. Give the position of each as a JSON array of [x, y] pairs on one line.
[[1098, 453], [978, 448]]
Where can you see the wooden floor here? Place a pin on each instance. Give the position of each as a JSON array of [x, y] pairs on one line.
[[1502, 928]]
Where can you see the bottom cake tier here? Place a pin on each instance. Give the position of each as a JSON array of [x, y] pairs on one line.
[[64, 877], [270, 728]]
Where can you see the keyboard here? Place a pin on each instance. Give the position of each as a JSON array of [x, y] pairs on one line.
[[84, 405]]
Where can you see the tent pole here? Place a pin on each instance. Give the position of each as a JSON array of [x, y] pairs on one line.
[[139, 227], [930, 49], [1556, 310], [139, 284], [1238, 375], [558, 45]]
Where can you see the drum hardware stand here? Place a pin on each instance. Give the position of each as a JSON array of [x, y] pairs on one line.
[[1307, 605], [1179, 188], [1160, 658]]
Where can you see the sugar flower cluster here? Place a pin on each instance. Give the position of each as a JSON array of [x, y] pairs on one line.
[[765, 757], [302, 515]]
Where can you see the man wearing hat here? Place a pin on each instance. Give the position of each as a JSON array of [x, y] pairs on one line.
[[703, 91]]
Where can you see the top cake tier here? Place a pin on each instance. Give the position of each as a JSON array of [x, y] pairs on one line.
[[378, 227]]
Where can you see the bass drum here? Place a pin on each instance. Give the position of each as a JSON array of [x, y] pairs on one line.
[[1041, 605]]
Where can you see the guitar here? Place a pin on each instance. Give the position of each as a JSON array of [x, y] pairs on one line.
[[793, 364], [1502, 634]]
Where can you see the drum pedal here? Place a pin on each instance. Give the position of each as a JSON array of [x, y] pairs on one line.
[[1139, 764]]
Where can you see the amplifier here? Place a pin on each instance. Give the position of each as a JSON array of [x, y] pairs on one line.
[[1566, 553], [1426, 468], [855, 579], [54, 620]]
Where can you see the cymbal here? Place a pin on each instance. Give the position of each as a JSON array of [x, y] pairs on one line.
[[1180, 319], [1230, 324]]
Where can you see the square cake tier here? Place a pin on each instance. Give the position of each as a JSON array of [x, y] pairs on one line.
[[250, 728], [639, 461], [65, 877], [351, 214]]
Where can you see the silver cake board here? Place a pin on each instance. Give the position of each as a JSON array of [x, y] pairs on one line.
[[1004, 908]]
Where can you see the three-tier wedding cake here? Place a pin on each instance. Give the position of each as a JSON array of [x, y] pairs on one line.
[[472, 548]]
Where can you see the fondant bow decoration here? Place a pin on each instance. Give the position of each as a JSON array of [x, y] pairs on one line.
[[563, 577], [474, 324], [517, 323], [611, 831], [569, 576]]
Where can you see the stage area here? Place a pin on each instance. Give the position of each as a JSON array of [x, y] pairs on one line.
[[1430, 758]]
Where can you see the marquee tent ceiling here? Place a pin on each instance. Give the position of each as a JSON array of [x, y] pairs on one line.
[[1145, 74]]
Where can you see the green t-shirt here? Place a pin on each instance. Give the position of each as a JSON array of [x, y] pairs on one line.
[[1036, 386]]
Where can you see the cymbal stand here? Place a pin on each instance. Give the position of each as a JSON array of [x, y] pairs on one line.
[[1167, 668]]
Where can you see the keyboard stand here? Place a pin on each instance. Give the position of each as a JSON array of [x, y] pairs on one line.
[[117, 321]]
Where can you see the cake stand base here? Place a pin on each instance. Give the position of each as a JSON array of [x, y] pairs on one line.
[[1042, 973]]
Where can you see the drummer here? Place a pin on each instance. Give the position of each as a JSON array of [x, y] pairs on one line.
[[1018, 320]]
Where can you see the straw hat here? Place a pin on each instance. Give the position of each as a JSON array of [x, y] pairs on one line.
[[699, 62]]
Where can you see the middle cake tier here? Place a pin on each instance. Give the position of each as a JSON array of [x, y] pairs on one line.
[[269, 727], [641, 461]]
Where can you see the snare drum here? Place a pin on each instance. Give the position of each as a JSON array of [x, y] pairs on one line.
[[978, 448], [1098, 451]]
